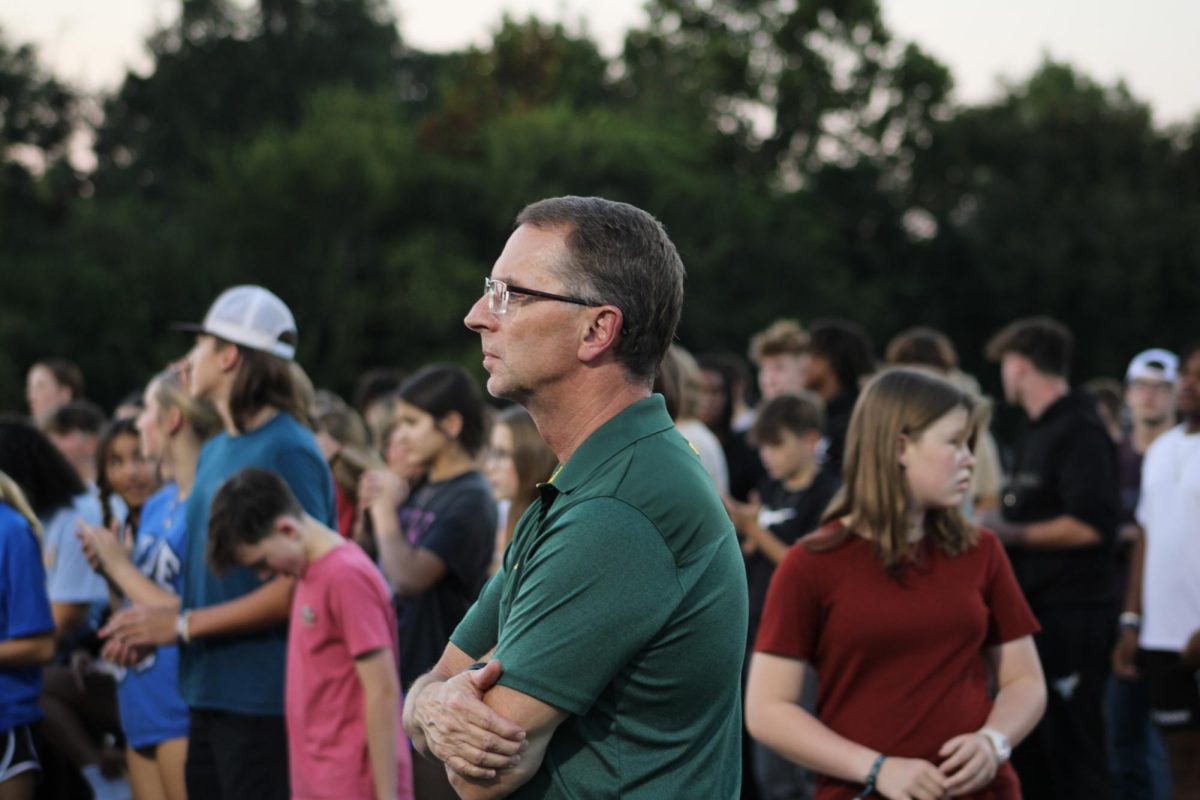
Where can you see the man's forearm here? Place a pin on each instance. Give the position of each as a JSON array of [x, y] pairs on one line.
[[266, 607], [1060, 533]]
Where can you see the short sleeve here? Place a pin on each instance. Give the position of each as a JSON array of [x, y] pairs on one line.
[[464, 534], [477, 632], [307, 475], [1009, 615], [361, 608], [70, 579], [791, 618], [1088, 479], [597, 588], [23, 582]]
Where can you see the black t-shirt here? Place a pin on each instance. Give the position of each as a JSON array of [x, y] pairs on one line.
[[837, 424], [789, 514], [745, 467], [1065, 463], [456, 520]]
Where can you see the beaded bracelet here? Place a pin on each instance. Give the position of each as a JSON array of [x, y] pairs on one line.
[[869, 785]]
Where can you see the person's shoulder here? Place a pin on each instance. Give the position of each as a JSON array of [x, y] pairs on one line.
[[832, 540], [11, 523], [160, 500], [87, 505], [349, 569]]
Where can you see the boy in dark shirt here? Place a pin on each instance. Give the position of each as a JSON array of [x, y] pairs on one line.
[[787, 504]]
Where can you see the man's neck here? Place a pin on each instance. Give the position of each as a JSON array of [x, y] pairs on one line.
[[801, 478], [1145, 432], [827, 389], [567, 418], [254, 422], [1041, 394], [1191, 423]]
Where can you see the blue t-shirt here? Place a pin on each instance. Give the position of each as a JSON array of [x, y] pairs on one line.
[[69, 578], [24, 611], [152, 709], [244, 673]]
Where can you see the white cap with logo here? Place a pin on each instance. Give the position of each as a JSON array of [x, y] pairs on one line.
[[1155, 364], [253, 317]]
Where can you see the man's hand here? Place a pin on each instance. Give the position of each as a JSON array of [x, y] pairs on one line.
[[1124, 655], [970, 763], [1191, 651], [1009, 533], [117, 653], [142, 626], [743, 515], [462, 731]]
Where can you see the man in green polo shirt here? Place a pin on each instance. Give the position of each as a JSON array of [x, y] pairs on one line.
[[613, 635]]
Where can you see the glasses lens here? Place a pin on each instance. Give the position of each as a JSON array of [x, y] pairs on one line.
[[497, 295]]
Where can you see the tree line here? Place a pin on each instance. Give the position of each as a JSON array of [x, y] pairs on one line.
[[806, 162]]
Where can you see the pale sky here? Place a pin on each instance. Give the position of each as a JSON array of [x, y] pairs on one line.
[[1152, 45]]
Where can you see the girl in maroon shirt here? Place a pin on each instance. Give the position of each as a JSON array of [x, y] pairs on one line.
[[907, 612]]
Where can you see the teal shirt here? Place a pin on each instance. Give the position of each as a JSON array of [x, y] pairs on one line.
[[622, 600], [244, 673]]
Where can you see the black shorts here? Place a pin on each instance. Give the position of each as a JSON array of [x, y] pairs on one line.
[[17, 753], [1174, 689]]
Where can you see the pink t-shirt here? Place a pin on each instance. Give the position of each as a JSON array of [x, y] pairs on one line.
[[342, 609]]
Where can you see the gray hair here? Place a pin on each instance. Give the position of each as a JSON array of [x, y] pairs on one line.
[[619, 255]]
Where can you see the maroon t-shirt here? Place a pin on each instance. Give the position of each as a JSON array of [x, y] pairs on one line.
[[900, 661]]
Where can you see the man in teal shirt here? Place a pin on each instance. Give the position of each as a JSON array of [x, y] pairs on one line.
[[614, 633]]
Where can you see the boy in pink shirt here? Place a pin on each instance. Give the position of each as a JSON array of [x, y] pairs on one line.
[[342, 697]]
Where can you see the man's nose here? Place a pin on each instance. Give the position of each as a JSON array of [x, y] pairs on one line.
[[478, 317]]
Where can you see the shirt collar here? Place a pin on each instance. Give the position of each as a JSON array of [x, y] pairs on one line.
[[644, 418]]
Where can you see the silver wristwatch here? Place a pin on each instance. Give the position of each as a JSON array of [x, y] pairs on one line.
[[999, 743]]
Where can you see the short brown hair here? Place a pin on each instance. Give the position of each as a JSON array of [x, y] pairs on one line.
[[1046, 342], [244, 511], [66, 373], [782, 337], [620, 255], [924, 347], [798, 413]]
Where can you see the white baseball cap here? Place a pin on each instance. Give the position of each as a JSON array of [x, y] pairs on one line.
[[250, 316], [1155, 364]]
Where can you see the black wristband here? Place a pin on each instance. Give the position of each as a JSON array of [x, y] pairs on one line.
[[869, 785]]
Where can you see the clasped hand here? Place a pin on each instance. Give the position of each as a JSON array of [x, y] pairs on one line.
[[462, 731], [969, 764]]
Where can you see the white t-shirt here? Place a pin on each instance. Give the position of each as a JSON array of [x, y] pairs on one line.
[[712, 456], [1169, 512]]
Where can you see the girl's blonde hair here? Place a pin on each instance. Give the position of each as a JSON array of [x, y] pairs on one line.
[[874, 495], [202, 416], [11, 494]]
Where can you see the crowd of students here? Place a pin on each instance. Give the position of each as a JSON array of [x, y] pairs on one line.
[[225, 588]]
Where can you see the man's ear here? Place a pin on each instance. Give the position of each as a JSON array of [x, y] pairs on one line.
[[286, 525], [228, 356], [602, 333]]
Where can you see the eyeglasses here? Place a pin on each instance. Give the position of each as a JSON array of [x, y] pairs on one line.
[[498, 294]]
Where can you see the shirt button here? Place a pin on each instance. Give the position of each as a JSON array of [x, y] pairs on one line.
[[1010, 500]]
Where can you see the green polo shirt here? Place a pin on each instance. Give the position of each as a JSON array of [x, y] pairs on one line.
[[622, 600]]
